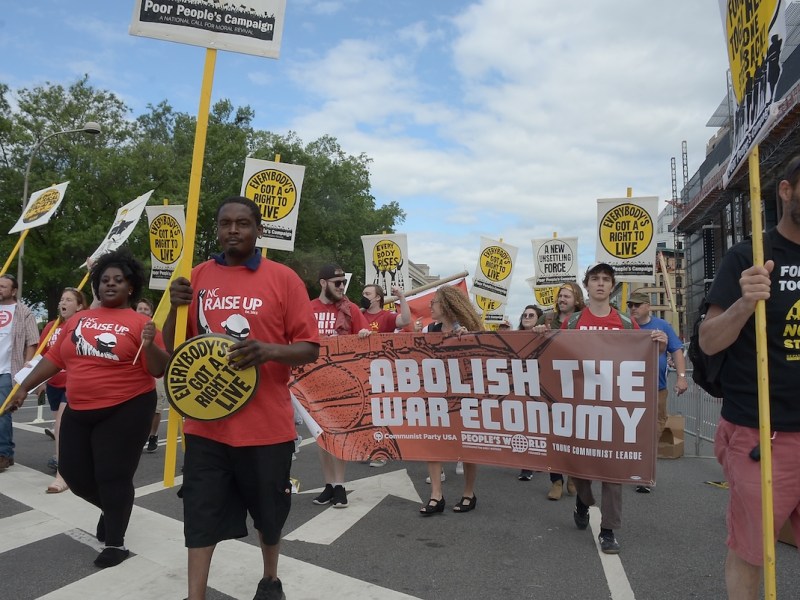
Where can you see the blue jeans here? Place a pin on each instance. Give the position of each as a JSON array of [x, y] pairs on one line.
[[6, 429]]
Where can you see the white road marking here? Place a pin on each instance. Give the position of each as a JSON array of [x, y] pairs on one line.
[[615, 574]]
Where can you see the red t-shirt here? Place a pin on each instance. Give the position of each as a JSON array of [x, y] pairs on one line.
[[326, 314], [270, 305], [381, 322], [58, 380], [589, 321], [96, 347]]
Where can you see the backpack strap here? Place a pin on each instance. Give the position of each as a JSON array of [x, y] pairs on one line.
[[573, 320], [626, 320]]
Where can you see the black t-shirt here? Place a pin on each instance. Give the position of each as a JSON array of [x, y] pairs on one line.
[[739, 377]]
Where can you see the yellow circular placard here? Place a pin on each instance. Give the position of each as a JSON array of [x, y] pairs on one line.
[[46, 200], [495, 263], [201, 385], [274, 192], [626, 231], [546, 297], [387, 256], [166, 238], [486, 304]]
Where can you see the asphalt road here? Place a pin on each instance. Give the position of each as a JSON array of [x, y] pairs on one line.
[[516, 544]]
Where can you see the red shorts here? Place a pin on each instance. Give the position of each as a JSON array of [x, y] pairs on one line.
[[732, 446]]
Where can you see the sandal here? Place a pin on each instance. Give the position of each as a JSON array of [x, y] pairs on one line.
[[433, 506], [466, 504], [58, 486]]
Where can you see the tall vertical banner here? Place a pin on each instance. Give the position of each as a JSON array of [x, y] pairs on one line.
[[555, 261], [275, 187], [386, 261], [754, 33], [626, 237], [493, 273], [123, 225], [167, 226], [252, 28], [41, 207]]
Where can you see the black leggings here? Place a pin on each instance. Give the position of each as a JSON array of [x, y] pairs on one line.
[[99, 451]]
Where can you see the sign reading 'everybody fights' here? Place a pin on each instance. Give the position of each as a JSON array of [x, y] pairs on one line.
[[575, 403]]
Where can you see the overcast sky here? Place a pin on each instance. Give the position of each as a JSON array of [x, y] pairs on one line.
[[501, 118]]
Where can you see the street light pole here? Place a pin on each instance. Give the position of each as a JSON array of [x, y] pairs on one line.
[[89, 127]]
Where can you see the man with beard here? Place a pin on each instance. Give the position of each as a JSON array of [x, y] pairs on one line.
[[18, 338], [335, 315], [241, 464], [729, 327]]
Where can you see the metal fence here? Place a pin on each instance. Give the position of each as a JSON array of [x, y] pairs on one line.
[[700, 412]]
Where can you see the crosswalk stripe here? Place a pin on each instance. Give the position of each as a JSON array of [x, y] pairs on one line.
[[28, 527]]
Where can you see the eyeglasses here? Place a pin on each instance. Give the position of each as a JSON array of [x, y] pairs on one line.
[[529, 316], [338, 282], [634, 304]]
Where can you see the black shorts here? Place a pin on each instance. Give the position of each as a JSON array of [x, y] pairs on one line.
[[222, 483]]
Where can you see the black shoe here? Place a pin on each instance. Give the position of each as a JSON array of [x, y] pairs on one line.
[[581, 515], [101, 529], [525, 475], [111, 557], [152, 444], [326, 496], [608, 543], [269, 589], [432, 507], [339, 497], [50, 434], [642, 489]]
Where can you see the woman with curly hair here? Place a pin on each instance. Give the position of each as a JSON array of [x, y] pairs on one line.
[[111, 395], [453, 312]]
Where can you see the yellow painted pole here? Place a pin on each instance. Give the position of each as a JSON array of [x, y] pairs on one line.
[[264, 249], [16, 248], [185, 265], [42, 344], [764, 425]]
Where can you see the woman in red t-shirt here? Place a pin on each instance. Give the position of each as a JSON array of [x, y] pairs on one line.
[[111, 396], [72, 301]]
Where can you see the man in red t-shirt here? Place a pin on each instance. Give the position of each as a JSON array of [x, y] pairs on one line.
[[378, 319], [335, 315], [241, 464], [599, 281]]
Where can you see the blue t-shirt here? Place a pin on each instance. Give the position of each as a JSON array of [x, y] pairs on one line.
[[673, 343]]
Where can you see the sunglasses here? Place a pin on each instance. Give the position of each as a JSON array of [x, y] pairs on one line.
[[634, 304], [529, 315], [338, 282]]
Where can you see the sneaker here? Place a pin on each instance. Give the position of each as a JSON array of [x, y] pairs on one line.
[[442, 477], [269, 589], [571, 487], [378, 462], [608, 543], [556, 490], [643, 489], [5, 462], [525, 475], [152, 444], [581, 515], [339, 497], [326, 496], [459, 468]]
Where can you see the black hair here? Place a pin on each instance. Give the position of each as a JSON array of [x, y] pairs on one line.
[[132, 270], [244, 202]]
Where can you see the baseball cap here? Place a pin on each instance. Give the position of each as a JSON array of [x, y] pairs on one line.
[[330, 271], [639, 298], [600, 266]]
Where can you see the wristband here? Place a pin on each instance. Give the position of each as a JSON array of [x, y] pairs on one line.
[[681, 374]]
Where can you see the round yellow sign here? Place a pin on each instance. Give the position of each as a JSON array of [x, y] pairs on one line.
[[486, 304], [626, 231], [166, 238], [387, 256], [200, 383], [46, 200], [546, 297], [274, 192], [495, 263]]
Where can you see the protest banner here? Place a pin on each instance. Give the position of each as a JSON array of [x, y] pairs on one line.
[[626, 237], [419, 301], [387, 253], [166, 225], [41, 207], [124, 223], [254, 28], [495, 267], [572, 402], [555, 261], [275, 187]]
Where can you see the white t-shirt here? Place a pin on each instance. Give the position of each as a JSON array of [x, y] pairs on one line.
[[6, 324]]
